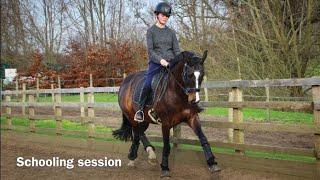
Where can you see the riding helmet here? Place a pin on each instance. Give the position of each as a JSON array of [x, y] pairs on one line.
[[163, 8]]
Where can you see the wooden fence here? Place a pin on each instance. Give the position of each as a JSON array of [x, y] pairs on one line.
[[235, 126]]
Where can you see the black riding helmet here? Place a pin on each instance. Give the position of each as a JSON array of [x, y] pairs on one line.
[[163, 8]]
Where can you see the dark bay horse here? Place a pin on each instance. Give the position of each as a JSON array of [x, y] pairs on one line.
[[175, 106]]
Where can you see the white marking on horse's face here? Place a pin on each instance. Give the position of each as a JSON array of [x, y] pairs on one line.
[[197, 74]]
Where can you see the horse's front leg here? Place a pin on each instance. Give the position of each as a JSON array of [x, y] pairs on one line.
[[165, 152], [194, 123]]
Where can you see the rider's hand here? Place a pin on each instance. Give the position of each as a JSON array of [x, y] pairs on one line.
[[164, 63]]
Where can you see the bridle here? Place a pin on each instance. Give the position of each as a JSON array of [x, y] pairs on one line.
[[186, 80], [186, 90]]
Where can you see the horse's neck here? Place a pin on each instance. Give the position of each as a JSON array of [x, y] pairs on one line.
[[175, 79], [177, 71]]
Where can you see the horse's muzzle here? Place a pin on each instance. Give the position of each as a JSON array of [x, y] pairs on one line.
[[192, 98]]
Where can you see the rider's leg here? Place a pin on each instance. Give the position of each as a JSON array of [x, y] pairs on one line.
[[152, 70], [142, 101]]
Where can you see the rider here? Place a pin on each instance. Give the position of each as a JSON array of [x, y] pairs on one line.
[[162, 45]]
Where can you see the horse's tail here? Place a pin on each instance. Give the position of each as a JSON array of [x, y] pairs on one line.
[[125, 132]]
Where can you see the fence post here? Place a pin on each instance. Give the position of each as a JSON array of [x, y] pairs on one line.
[[316, 114], [8, 113], [32, 125], [230, 118], [24, 97], [38, 87], [238, 136], [52, 95], [206, 89], [59, 82], [268, 100], [176, 135], [58, 113], [91, 81], [17, 88], [82, 110], [91, 130]]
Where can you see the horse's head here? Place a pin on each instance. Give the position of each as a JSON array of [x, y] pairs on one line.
[[192, 74]]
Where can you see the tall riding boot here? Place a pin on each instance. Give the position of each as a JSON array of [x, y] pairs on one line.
[[139, 116]]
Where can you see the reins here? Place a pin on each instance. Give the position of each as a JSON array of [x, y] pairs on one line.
[[179, 84]]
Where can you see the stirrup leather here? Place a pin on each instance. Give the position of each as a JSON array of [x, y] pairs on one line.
[[138, 120]]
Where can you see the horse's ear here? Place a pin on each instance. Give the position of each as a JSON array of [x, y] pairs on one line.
[[204, 56], [184, 56]]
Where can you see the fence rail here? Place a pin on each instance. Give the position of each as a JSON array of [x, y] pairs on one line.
[[235, 125], [64, 91], [302, 106], [263, 83]]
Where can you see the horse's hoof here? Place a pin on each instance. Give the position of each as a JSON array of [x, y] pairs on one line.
[[151, 153], [131, 163], [165, 174], [153, 162], [152, 158], [214, 168]]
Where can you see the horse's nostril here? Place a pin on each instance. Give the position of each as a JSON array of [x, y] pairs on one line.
[[194, 102]]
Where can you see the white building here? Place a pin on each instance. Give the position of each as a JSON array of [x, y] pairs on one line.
[[10, 74]]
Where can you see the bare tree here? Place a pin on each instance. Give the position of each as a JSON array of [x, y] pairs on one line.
[[13, 36], [136, 8], [48, 36], [100, 9], [93, 30], [119, 19]]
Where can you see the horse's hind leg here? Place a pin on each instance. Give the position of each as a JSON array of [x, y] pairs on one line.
[[141, 128], [152, 158], [133, 153]]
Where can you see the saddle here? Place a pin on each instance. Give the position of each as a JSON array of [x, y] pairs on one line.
[[155, 84]]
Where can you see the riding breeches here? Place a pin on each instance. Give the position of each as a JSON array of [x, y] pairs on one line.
[[153, 69]]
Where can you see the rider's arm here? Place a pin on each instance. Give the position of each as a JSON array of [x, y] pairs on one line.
[[153, 56], [175, 44], [164, 62]]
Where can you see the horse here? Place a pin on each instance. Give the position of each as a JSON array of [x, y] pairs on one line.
[[176, 105]]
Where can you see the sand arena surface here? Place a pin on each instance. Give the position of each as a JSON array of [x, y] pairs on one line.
[[13, 146]]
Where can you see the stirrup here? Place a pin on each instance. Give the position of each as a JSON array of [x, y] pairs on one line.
[[138, 120]]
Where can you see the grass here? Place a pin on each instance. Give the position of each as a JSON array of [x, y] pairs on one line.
[[261, 115], [280, 156], [67, 125]]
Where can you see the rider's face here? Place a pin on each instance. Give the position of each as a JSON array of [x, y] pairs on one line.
[[162, 18]]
